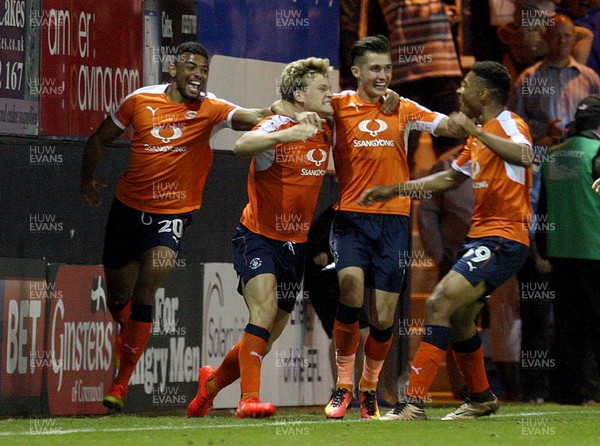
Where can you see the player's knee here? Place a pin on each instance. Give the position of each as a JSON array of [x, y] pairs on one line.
[[437, 304], [351, 292], [263, 314]]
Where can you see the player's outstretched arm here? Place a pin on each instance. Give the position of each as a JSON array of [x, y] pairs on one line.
[[254, 143], [519, 154], [92, 154], [437, 182], [247, 118]]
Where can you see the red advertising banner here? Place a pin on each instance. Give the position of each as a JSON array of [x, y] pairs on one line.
[[80, 334], [94, 50], [23, 324]]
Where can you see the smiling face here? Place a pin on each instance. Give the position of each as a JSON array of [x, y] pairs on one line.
[[316, 96], [469, 95], [374, 73], [190, 74]]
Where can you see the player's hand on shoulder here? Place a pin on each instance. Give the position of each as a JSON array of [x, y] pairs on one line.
[[308, 117], [378, 193], [461, 125], [90, 190], [390, 102], [300, 132]]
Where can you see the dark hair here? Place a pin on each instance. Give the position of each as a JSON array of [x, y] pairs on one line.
[[378, 44], [495, 77], [192, 48], [587, 116]]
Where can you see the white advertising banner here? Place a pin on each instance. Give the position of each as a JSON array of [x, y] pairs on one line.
[[296, 372]]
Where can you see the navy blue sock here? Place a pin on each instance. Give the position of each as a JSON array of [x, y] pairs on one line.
[[347, 315], [437, 335], [260, 332], [141, 313], [467, 346]]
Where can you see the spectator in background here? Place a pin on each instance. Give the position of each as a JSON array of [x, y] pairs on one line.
[[546, 95], [591, 21], [524, 37], [574, 248], [426, 67]]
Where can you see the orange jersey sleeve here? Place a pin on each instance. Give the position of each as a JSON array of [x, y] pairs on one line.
[[371, 148], [170, 151], [284, 183], [502, 204]]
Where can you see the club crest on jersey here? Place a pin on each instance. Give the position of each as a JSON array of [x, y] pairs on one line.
[[476, 169], [166, 132], [255, 263], [191, 114], [364, 127], [322, 156]]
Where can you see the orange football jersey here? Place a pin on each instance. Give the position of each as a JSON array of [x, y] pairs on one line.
[[284, 183], [502, 204], [170, 151], [371, 148]]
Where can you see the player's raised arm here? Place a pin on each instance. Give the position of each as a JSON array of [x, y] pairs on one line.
[[253, 143], [517, 153], [92, 154], [437, 182]]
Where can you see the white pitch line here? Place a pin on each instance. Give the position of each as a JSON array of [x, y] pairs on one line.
[[275, 423]]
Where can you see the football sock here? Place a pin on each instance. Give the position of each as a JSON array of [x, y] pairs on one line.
[[251, 351], [134, 334], [377, 346], [346, 338], [427, 360], [226, 373], [469, 359], [120, 313]]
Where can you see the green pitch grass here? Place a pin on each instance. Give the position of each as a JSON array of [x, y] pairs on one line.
[[514, 424]]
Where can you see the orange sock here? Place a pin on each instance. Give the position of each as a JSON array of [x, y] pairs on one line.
[[252, 349], [122, 314], [423, 369], [346, 338], [472, 367], [227, 372], [375, 354], [134, 334]]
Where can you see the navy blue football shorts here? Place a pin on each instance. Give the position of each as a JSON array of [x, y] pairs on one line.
[[492, 260], [130, 233], [377, 243], [255, 254]]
